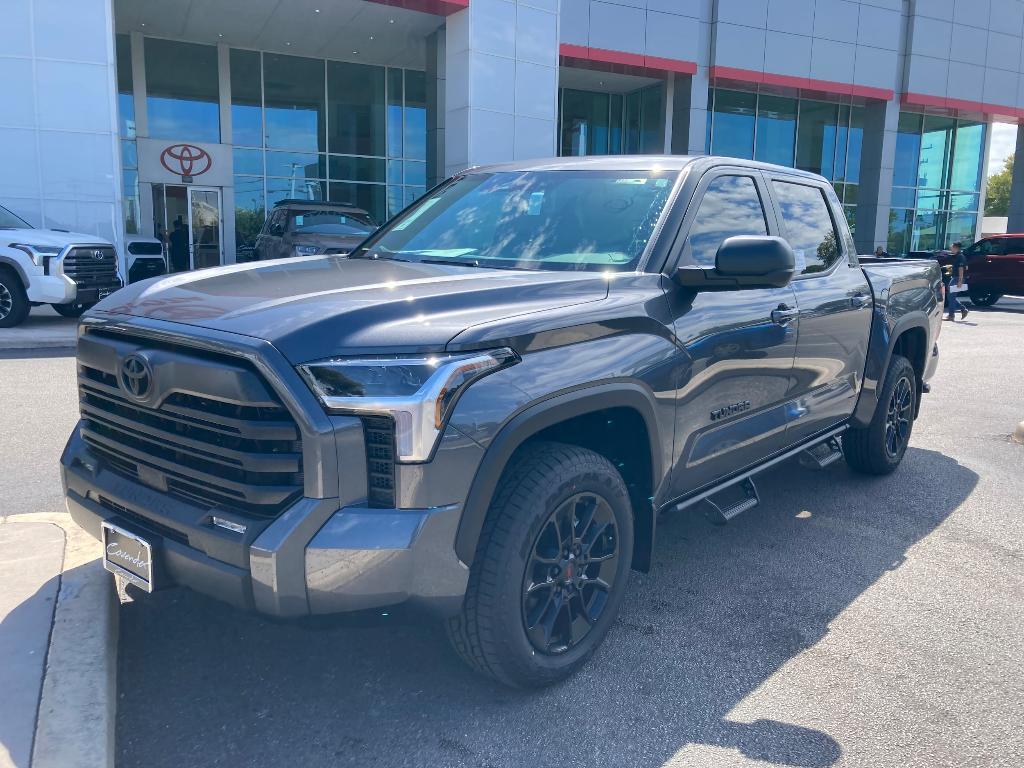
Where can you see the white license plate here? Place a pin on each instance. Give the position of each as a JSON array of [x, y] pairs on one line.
[[128, 556]]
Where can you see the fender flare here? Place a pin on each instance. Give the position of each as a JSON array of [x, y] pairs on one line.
[[878, 361], [18, 269], [536, 417]]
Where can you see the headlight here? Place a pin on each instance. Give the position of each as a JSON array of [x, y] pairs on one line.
[[307, 250], [417, 392], [38, 253]]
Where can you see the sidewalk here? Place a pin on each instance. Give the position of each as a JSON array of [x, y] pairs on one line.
[[58, 638], [43, 329]]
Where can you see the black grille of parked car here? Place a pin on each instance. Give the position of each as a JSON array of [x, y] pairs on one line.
[[145, 248], [379, 434], [92, 266], [207, 452], [143, 269]]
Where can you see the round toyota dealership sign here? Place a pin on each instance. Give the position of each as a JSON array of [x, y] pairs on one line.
[[186, 160]]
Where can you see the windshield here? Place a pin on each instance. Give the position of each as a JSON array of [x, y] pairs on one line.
[[556, 220], [321, 222], [9, 221]]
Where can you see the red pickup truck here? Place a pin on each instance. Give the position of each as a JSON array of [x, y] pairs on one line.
[[995, 267]]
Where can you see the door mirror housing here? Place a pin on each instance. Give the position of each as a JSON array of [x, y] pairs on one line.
[[743, 262]]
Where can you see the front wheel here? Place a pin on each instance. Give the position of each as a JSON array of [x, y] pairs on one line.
[[71, 310], [984, 298], [550, 570], [14, 304], [878, 448]]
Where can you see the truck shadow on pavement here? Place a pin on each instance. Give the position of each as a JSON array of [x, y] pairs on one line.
[[721, 612]]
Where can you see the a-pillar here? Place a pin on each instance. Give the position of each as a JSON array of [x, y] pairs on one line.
[[501, 82], [1015, 215], [877, 161]]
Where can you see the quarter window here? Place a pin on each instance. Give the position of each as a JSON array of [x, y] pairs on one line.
[[808, 226], [731, 206]]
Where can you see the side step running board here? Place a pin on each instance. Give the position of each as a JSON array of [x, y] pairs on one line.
[[822, 455], [727, 503]]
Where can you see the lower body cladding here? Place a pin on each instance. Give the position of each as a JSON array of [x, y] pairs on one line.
[[312, 559]]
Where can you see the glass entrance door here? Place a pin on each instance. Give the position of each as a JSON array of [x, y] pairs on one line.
[[189, 221], [205, 227]]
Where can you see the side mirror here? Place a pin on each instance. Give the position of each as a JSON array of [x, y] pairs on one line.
[[743, 262]]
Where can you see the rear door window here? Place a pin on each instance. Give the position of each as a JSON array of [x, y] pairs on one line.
[[731, 206], [808, 226]]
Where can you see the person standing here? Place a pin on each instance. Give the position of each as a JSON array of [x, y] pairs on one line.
[[880, 253], [957, 275], [179, 247]]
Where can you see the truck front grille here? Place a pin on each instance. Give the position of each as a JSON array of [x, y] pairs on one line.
[[379, 435], [207, 452], [92, 266]]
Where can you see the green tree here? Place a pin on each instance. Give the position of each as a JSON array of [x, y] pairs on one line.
[[997, 194]]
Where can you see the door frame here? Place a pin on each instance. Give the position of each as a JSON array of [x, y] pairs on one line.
[[191, 228]]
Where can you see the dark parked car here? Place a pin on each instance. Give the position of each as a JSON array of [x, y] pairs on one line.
[[308, 228], [995, 268], [483, 410]]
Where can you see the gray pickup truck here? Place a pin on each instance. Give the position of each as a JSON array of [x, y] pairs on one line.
[[484, 409]]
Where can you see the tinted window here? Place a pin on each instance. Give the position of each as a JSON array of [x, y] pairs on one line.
[[1013, 245], [730, 206], [985, 248], [322, 222], [182, 90], [808, 225], [558, 220]]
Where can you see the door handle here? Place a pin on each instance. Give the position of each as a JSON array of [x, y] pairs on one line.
[[860, 300], [784, 314]]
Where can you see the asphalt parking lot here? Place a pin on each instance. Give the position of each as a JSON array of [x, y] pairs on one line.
[[847, 621]]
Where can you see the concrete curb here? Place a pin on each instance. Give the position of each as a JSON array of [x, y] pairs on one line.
[[75, 726], [18, 345]]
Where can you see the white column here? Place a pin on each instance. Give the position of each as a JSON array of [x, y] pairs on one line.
[[691, 101], [139, 84], [501, 86], [878, 159]]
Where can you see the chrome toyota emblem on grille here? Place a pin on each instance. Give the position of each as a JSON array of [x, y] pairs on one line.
[[136, 376], [99, 255]]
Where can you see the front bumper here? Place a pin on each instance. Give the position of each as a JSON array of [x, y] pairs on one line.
[[315, 558], [51, 289]]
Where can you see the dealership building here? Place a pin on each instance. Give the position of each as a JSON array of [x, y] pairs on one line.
[[124, 116]]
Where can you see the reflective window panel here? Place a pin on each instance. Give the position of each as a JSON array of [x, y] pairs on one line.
[[182, 91], [356, 110], [294, 100], [776, 130], [246, 100]]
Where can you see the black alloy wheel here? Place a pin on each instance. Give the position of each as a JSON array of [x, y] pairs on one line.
[[984, 298], [899, 415], [6, 301], [568, 577]]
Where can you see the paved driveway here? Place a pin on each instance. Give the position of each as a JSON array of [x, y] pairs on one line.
[[847, 621]]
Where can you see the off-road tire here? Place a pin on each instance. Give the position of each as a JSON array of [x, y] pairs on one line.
[[866, 449], [984, 298], [14, 305], [490, 633]]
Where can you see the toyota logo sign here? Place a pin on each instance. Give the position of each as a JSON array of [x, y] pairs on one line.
[[186, 160], [136, 376]]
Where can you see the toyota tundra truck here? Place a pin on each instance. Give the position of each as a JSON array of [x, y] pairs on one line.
[[482, 412], [70, 271]]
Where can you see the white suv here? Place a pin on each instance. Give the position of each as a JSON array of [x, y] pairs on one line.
[[68, 270]]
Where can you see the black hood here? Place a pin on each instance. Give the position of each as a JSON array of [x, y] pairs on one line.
[[323, 306]]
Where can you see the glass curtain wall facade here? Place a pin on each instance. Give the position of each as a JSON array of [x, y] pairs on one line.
[[937, 182], [819, 136], [126, 128], [595, 123], [324, 130]]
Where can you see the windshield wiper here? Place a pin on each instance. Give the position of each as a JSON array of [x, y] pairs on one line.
[[453, 262]]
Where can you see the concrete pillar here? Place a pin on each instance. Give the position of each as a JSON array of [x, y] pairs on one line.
[[1015, 216], [690, 124], [878, 159], [501, 83]]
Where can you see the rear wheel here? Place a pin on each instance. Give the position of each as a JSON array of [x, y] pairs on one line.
[[550, 570], [878, 448], [14, 305], [71, 310], [984, 298]]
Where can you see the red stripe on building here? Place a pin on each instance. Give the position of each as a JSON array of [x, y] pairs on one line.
[[804, 83], [436, 7], [960, 105], [635, 62]]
